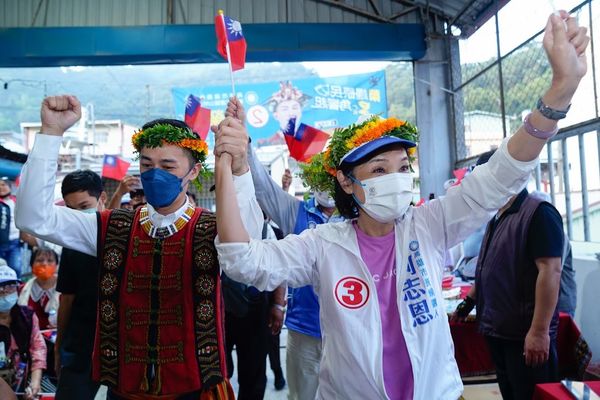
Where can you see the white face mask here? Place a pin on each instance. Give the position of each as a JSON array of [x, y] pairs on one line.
[[8, 301], [387, 197], [324, 199]]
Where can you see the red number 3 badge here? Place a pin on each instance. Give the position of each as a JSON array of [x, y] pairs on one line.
[[352, 292]]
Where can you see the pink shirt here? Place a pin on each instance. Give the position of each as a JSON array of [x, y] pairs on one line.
[[379, 253], [37, 347]]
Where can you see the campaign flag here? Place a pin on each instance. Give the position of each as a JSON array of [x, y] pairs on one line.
[[229, 31], [197, 117], [304, 142], [114, 167]]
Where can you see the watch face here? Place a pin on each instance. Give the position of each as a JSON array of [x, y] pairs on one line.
[[551, 113]]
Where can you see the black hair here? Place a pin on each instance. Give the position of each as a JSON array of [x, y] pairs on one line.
[[344, 202], [485, 157], [177, 124], [82, 181], [42, 250]]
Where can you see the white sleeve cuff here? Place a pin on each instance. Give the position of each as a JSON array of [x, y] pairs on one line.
[[46, 147]]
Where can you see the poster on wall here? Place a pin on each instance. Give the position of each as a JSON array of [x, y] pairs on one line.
[[324, 103]]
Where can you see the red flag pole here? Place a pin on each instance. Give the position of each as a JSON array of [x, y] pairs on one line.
[[228, 52]]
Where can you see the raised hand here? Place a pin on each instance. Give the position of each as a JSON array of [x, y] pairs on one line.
[[565, 43], [59, 113], [231, 138], [129, 184], [236, 110]]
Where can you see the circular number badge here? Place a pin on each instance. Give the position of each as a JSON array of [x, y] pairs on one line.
[[352, 292]]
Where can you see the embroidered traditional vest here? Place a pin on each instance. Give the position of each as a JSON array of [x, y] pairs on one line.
[[160, 326]]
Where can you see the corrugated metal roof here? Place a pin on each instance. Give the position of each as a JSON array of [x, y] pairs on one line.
[[466, 14]]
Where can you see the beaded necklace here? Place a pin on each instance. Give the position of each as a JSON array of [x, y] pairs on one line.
[[165, 231]]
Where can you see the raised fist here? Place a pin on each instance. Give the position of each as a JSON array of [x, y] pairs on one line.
[[565, 43], [59, 113], [236, 110], [129, 184]]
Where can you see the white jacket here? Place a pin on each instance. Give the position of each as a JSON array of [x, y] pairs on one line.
[[328, 257]]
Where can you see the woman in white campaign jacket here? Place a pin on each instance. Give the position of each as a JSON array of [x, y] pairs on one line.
[[369, 166]]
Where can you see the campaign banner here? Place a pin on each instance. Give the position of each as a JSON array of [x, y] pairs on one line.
[[324, 103]]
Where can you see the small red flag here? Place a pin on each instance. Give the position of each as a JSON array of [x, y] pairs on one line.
[[114, 167], [196, 117], [304, 142], [230, 31]]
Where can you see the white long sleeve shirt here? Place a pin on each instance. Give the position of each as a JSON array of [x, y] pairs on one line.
[[329, 258], [36, 213]]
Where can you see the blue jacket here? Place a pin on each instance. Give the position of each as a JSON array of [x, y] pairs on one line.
[[303, 304]]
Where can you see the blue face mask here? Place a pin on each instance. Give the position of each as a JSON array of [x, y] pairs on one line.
[[7, 302], [90, 210], [161, 188]]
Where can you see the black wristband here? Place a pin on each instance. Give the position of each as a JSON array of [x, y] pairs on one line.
[[465, 307], [551, 113], [470, 301]]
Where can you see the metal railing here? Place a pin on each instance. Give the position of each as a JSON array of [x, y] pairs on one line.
[[574, 189], [567, 196]]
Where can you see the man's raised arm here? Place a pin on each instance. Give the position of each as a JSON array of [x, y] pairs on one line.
[[35, 211]]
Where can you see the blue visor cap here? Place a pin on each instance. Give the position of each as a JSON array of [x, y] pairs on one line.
[[364, 150]]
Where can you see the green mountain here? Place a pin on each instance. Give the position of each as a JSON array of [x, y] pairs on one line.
[[133, 94], [137, 94]]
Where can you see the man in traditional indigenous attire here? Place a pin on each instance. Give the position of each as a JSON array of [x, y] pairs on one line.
[[160, 316]]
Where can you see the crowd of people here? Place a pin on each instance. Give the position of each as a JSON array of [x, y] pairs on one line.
[[151, 293]]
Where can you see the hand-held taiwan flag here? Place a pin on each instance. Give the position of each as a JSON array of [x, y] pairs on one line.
[[229, 31], [197, 117], [304, 142], [114, 167]]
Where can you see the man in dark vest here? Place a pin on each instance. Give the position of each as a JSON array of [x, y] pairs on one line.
[[516, 291], [160, 316]]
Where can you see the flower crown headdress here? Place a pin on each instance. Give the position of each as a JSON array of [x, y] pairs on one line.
[[161, 134], [320, 172]]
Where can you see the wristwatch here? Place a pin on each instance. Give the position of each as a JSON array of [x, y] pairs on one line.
[[281, 308], [551, 113]]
